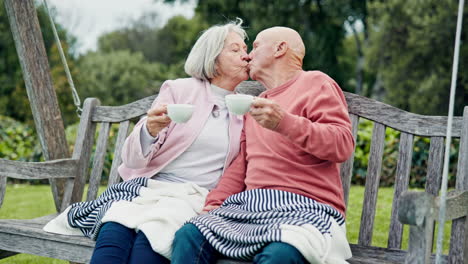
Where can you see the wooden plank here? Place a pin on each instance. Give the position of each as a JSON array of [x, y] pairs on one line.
[[435, 165], [121, 136], [116, 114], [34, 229], [371, 255], [364, 107], [456, 205], [403, 168], [346, 170], [67, 194], [372, 185], [416, 210], [39, 87], [385, 114], [98, 163], [3, 182], [434, 176], [47, 248], [420, 209], [250, 87], [462, 168], [83, 147], [418, 125], [418, 246], [459, 236], [62, 168]]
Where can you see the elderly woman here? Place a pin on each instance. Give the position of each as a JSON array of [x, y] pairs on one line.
[[193, 152]]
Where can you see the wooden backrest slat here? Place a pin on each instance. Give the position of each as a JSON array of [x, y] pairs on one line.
[[405, 154], [346, 169], [83, 147], [98, 162], [459, 236], [435, 165], [434, 175], [67, 194], [3, 182], [462, 168], [121, 136], [372, 185]]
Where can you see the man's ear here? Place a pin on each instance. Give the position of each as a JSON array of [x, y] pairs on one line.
[[281, 48]]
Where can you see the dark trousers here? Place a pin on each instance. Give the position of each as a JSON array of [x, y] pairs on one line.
[[191, 247], [117, 244]]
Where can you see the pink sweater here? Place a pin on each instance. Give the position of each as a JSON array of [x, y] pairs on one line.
[[303, 154]]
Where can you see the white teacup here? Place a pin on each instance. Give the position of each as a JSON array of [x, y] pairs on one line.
[[180, 113], [238, 104]]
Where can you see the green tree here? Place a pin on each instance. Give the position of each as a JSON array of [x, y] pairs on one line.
[[119, 77], [411, 49], [13, 96], [320, 23], [169, 44]]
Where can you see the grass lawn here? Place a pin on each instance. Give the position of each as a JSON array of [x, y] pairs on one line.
[[26, 201]]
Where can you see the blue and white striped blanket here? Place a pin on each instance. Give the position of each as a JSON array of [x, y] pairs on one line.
[[87, 216], [247, 221]]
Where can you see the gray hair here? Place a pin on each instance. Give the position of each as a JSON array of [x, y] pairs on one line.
[[201, 62]]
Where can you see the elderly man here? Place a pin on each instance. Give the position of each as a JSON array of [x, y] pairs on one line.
[[281, 200]]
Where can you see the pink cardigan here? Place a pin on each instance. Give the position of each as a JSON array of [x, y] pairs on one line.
[[176, 138]]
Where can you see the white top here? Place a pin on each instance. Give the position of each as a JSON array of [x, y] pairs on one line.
[[202, 163]]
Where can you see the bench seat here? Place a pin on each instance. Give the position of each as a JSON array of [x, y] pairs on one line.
[[79, 249]]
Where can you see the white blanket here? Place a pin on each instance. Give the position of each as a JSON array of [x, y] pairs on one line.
[[160, 210], [318, 248]]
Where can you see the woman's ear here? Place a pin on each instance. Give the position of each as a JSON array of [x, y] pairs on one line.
[[281, 48]]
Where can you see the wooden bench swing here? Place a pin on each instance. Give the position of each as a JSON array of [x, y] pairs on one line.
[[416, 209]]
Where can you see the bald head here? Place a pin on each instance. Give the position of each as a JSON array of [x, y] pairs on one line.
[[276, 56], [288, 35]]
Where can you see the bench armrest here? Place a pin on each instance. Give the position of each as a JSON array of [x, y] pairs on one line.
[[61, 168], [420, 210], [415, 207]]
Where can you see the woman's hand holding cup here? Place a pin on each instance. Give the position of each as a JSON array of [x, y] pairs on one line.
[[157, 120]]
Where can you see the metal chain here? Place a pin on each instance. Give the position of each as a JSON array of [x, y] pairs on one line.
[[76, 97]]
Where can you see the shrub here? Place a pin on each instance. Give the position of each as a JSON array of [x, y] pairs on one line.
[[18, 141], [390, 157]]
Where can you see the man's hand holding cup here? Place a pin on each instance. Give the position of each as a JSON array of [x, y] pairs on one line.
[[266, 112]]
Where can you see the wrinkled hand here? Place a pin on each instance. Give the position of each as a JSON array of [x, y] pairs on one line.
[[157, 120], [266, 112], [208, 208]]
